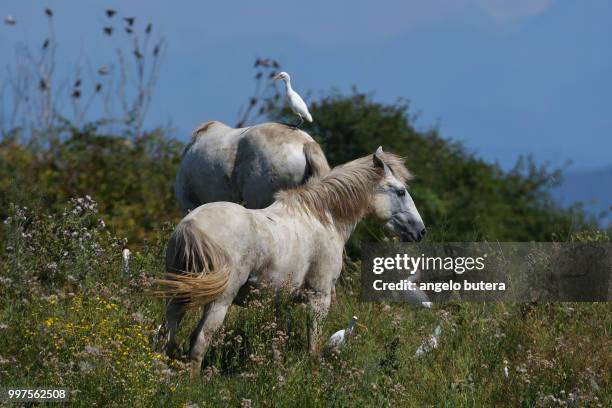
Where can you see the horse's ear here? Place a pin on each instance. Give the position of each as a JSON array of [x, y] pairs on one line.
[[377, 158], [379, 162]]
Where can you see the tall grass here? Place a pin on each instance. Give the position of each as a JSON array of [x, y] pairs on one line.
[[71, 317]]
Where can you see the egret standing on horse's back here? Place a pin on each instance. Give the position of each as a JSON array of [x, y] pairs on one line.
[[296, 103]]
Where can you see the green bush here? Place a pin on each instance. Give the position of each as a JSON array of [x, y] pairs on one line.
[[132, 178]]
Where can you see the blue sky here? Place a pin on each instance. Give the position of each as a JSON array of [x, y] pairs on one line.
[[505, 77]]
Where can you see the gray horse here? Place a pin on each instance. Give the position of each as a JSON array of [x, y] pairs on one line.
[[245, 165], [221, 250]]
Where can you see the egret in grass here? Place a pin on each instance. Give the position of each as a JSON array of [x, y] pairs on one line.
[[296, 103], [126, 255], [339, 338], [430, 343]]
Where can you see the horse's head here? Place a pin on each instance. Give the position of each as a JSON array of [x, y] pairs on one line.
[[393, 205]]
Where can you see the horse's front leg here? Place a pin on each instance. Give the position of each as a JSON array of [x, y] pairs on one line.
[[213, 315], [318, 303]]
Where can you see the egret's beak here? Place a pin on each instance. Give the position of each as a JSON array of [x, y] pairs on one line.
[[362, 325], [276, 77]]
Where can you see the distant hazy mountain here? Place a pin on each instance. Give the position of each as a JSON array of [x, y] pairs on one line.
[[591, 187]]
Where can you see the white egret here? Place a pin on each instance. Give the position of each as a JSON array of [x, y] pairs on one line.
[[417, 296], [339, 338], [430, 343], [296, 103], [126, 254]]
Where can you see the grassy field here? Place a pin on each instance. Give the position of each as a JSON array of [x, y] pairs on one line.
[[70, 316]]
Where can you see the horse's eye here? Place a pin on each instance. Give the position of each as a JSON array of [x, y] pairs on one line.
[[401, 192]]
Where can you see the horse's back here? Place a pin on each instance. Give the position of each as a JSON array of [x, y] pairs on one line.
[[270, 158], [229, 224], [272, 245], [247, 165]]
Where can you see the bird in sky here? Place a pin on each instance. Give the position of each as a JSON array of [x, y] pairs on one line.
[[103, 70], [296, 103], [9, 20], [339, 338]]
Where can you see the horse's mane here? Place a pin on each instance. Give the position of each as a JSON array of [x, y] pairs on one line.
[[346, 192]]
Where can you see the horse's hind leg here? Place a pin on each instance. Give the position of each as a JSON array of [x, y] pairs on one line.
[[213, 315], [174, 314]]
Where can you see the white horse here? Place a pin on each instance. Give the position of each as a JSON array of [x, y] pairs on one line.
[[219, 251], [245, 165]]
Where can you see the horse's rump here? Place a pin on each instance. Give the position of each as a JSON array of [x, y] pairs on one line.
[[246, 165], [197, 267]]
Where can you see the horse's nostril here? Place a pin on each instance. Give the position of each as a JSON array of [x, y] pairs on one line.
[[422, 233]]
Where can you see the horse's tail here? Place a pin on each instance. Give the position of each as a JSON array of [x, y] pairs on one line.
[[315, 160], [198, 268]]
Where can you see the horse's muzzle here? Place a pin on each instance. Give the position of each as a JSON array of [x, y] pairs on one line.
[[407, 230]]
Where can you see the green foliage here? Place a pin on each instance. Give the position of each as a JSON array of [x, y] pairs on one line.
[[132, 178], [66, 296], [70, 316]]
